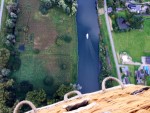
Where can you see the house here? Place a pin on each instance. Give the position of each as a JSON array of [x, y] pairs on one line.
[[134, 8], [140, 76], [122, 24]]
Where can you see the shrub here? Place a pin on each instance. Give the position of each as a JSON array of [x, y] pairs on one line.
[[36, 51], [43, 10], [48, 80], [63, 66], [67, 38], [10, 24]]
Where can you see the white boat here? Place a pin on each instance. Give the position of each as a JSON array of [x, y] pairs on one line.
[[87, 36]]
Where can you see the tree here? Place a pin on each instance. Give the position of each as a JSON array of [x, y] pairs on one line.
[[10, 24], [38, 97], [13, 15], [47, 4], [10, 39], [7, 95], [62, 90], [24, 87], [4, 57], [148, 11], [5, 72], [68, 10]]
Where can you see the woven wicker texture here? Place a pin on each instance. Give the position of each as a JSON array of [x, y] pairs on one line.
[[115, 100]]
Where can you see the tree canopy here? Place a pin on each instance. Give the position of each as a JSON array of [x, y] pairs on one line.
[[38, 97], [4, 57]]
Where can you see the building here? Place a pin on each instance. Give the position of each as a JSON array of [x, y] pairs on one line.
[[122, 24], [145, 60], [134, 8]]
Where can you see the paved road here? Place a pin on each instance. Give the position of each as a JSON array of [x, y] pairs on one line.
[[111, 40], [1, 12]]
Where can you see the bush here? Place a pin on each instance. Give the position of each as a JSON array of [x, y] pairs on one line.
[[25, 86], [63, 66], [48, 80], [63, 38], [59, 41], [36, 51], [43, 10], [68, 11], [67, 38]]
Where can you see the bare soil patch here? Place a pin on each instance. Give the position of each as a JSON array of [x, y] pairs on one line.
[[40, 26]]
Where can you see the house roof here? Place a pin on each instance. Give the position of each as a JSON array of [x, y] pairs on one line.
[[147, 60], [122, 23]]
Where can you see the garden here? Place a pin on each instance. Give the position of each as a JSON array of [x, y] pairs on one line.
[[38, 51], [46, 54]]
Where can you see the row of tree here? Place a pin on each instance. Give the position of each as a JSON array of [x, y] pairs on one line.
[[68, 6], [7, 61]]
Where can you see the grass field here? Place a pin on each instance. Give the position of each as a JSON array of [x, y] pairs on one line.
[[103, 29], [47, 64], [136, 42]]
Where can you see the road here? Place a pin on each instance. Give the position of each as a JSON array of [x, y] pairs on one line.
[[111, 40], [1, 12]]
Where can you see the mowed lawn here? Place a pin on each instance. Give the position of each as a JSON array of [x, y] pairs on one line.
[[136, 42], [47, 65]]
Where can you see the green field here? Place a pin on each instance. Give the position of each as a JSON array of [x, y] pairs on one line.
[[136, 42], [47, 65], [103, 29]]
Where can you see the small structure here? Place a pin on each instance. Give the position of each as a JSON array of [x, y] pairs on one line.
[[140, 76], [125, 70], [122, 24], [109, 9], [125, 58], [126, 80], [145, 60], [146, 69]]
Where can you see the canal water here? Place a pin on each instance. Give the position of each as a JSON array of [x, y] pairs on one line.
[[88, 49]]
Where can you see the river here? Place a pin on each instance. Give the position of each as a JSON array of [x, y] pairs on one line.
[[88, 49]]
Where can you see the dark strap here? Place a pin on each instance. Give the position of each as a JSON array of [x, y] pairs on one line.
[[76, 106], [139, 91]]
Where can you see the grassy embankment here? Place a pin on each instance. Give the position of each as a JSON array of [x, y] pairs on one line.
[[58, 64], [103, 29]]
